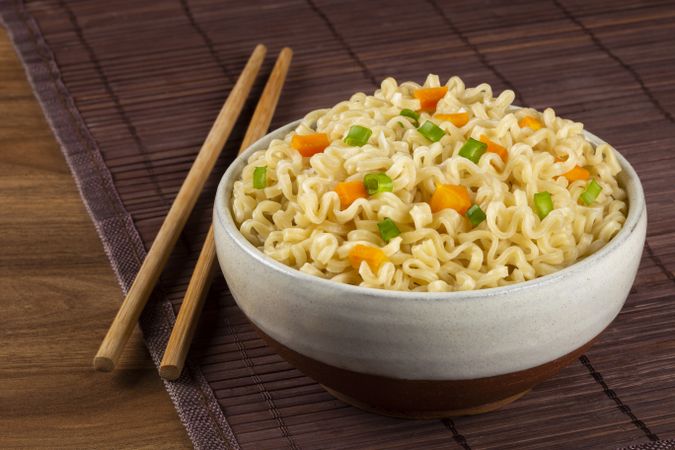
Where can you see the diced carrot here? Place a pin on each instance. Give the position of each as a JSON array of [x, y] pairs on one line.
[[450, 196], [457, 119], [577, 173], [429, 97], [530, 122], [349, 191], [372, 255], [493, 147], [310, 144]]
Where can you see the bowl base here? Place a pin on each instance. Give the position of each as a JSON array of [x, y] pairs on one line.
[[422, 399], [427, 415]]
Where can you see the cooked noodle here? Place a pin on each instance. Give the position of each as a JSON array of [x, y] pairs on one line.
[[298, 219]]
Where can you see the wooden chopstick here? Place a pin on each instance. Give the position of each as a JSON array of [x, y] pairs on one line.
[[128, 314], [186, 322]]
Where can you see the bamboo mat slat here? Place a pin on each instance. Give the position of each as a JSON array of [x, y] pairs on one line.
[[131, 88]]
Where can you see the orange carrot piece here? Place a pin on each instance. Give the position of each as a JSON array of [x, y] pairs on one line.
[[372, 255], [310, 144], [429, 97], [450, 196], [349, 191], [493, 147], [457, 119], [530, 122], [577, 173]]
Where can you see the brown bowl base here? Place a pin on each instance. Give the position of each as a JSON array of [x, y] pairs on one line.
[[422, 399], [427, 415]]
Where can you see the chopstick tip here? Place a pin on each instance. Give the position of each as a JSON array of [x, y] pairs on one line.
[[169, 372], [286, 51], [103, 364]]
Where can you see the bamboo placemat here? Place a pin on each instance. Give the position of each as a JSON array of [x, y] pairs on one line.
[[130, 89]]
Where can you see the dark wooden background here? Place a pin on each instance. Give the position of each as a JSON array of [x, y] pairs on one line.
[[149, 77]]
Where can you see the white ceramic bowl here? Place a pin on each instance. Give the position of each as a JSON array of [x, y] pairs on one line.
[[418, 354]]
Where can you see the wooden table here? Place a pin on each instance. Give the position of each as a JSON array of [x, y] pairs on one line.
[[58, 295]]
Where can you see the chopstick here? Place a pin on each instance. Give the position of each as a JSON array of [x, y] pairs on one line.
[[130, 311], [186, 322]]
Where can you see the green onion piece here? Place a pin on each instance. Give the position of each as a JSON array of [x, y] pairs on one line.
[[591, 192], [473, 150], [378, 182], [260, 177], [388, 229], [543, 204], [358, 136], [475, 215], [412, 114], [431, 131]]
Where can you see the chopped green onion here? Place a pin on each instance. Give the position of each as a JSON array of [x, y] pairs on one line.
[[378, 182], [591, 192], [358, 136], [473, 150], [475, 215], [543, 204], [260, 177], [412, 114], [388, 229], [431, 131]]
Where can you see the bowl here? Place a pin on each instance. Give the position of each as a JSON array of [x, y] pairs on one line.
[[429, 355]]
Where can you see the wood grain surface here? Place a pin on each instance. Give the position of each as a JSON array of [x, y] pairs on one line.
[[58, 293]]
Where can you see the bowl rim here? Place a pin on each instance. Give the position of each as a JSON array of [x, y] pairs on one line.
[[223, 213]]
